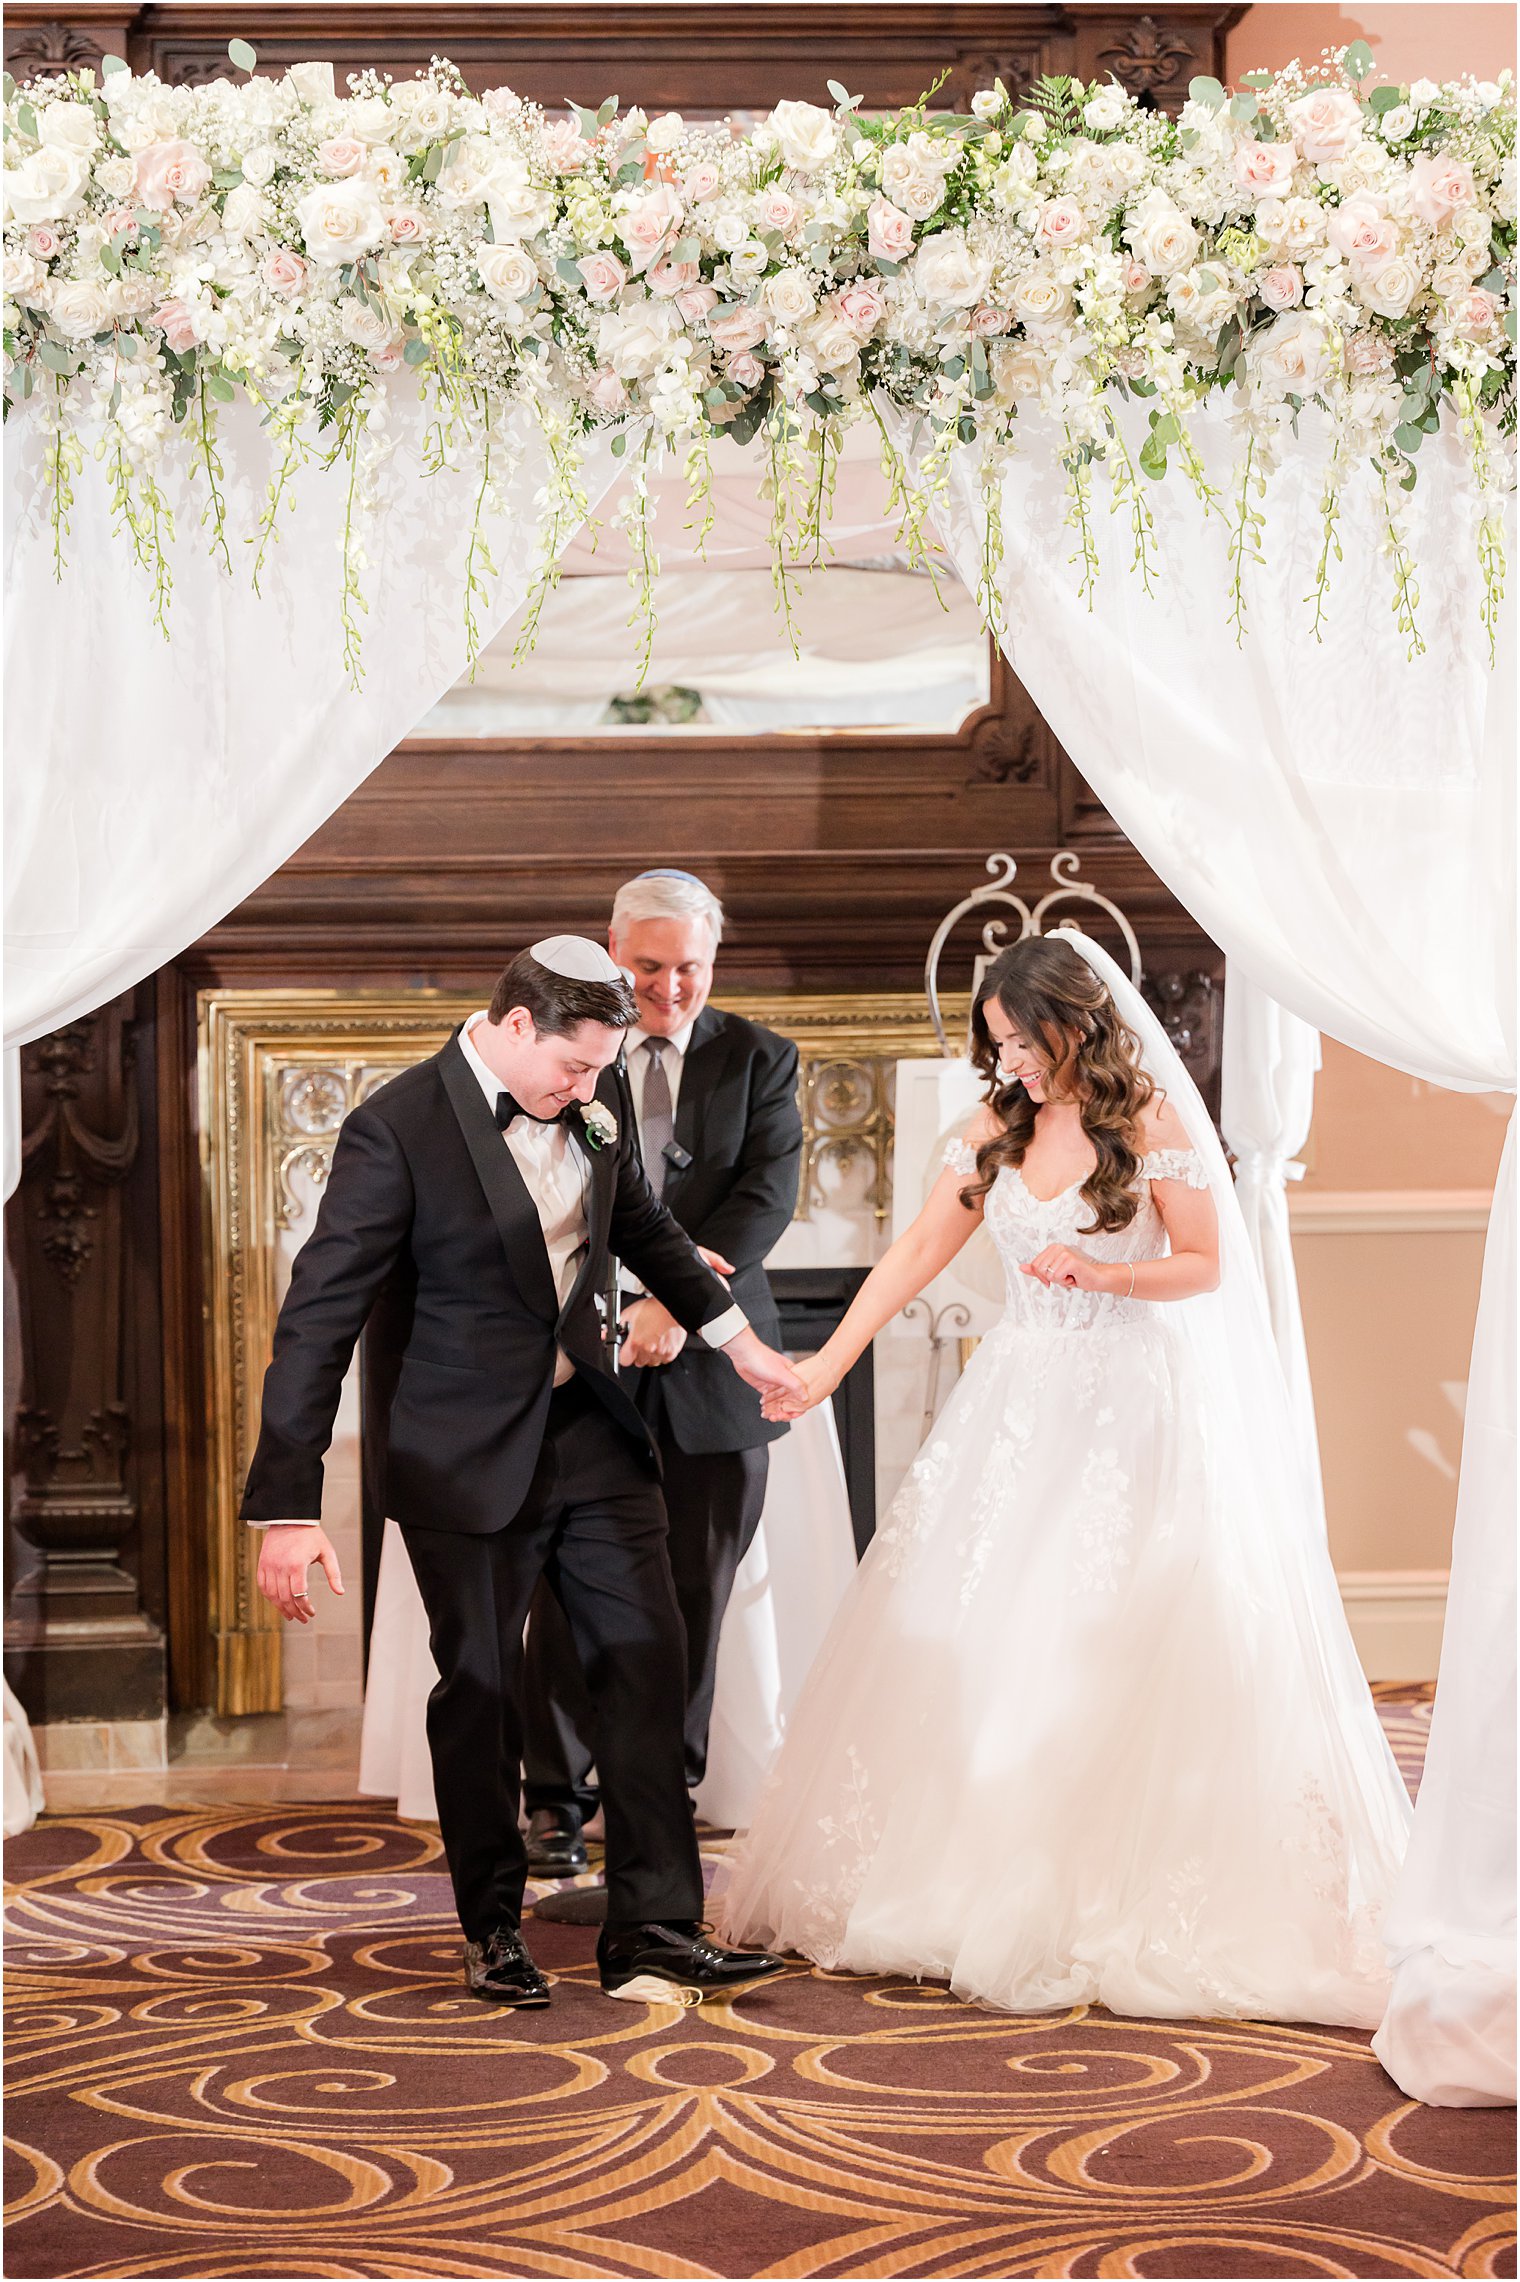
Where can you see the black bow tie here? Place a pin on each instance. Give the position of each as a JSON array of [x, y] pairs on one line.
[[508, 1106]]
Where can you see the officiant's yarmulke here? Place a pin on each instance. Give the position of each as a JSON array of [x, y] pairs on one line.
[[577, 957]]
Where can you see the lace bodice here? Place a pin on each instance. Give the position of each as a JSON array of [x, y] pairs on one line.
[[1022, 1224]]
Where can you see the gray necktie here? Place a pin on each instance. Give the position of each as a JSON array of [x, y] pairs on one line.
[[658, 1122]]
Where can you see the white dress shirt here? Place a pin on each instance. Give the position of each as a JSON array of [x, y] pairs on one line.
[[555, 1168]]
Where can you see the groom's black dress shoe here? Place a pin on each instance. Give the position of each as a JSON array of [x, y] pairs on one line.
[[500, 1969], [643, 1961], [555, 1846]]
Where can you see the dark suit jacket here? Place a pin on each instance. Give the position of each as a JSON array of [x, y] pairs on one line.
[[738, 1119], [428, 1233]]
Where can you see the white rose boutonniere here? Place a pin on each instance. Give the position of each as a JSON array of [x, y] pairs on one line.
[[600, 1125]]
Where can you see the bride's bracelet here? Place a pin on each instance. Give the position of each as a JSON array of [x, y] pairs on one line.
[[1131, 1292]]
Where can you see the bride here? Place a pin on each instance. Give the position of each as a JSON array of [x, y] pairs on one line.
[[1089, 1727]]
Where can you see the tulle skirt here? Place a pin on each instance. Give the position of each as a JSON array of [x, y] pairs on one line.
[[1085, 1730]]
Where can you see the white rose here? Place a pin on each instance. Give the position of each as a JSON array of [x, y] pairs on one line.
[[1124, 166], [806, 137], [1291, 357], [1159, 235], [832, 345], [1305, 224], [507, 272], [364, 325], [341, 220], [1391, 290], [918, 192], [518, 208], [470, 173], [79, 309], [1398, 122], [23, 277], [47, 187], [313, 82], [789, 296], [1040, 298], [1423, 93], [1199, 298], [1488, 92], [636, 341], [368, 118], [260, 165], [67, 127], [947, 274], [243, 214], [1016, 372], [729, 231], [1106, 110], [666, 131]]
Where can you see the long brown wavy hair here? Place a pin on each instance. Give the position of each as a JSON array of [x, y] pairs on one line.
[[1061, 1007]]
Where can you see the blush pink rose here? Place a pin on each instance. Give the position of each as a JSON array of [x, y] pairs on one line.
[[695, 303], [986, 321], [284, 273], [740, 329], [1476, 314], [169, 172], [1368, 352], [341, 157], [43, 242], [1364, 234], [1283, 287], [390, 358], [607, 391], [667, 278], [1061, 222], [745, 369], [407, 225], [1440, 187], [1136, 277], [860, 306], [121, 222], [603, 275], [180, 329], [1264, 169], [498, 102], [778, 212], [565, 147], [700, 181], [649, 222], [1326, 123], [889, 231]]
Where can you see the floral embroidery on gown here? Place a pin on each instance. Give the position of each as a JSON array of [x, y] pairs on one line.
[[1078, 1735]]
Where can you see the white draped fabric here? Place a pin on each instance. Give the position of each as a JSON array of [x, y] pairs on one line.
[[1341, 820], [163, 781], [1270, 1059], [785, 1595]]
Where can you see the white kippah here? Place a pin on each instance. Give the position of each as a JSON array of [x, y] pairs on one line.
[[577, 957]]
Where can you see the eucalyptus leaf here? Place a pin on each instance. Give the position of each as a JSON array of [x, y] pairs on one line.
[[1509, 323], [606, 111], [1358, 59], [26, 120], [7, 86], [1206, 91], [219, 386], [56, 357], [1384, 99], [1408, 437], [1244, 107], [844, 101], [110, 65], [110, 259], [619, 444], [1260, 80], [242, 55]]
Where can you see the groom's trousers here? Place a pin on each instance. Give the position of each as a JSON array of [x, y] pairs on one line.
[[593, 1524]]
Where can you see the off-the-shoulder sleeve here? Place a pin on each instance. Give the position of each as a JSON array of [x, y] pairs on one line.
[[1183, 1165], [960, 1157]]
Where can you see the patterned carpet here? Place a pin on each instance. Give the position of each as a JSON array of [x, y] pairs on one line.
[[237, 2048]]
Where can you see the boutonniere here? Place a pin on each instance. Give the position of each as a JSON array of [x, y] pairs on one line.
[[600, 1124]]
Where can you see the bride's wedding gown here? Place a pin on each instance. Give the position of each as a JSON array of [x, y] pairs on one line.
[[1082, 1731]]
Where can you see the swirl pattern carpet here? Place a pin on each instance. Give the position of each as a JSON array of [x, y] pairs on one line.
[[237, 2046]]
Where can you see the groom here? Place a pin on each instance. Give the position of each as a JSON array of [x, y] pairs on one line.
[[467, 1218]]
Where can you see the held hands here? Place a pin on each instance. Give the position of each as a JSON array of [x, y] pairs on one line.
[[288, 1551], [761, 1367], [653, 1335], [816, 1381], [1060, 1265]]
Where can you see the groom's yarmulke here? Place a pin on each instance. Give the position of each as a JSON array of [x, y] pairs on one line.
[[578, 958]]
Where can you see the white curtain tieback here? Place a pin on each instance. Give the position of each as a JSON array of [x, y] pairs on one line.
[[1267, 1165]]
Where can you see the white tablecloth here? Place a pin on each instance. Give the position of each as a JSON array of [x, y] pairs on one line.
[[785, 1595]]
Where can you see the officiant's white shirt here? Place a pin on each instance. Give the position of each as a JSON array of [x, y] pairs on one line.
[[555, 1169]]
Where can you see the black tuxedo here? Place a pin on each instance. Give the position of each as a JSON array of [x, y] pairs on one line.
[[738, 1124], [427, 1231]]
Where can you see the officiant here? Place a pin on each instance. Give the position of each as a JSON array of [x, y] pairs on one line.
[[713, 1099]]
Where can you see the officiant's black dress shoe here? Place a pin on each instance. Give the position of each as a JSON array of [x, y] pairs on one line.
[[555, 1846], [648, 1962], [500, 1970]]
